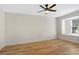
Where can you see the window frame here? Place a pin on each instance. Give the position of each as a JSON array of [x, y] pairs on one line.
[[63, 25]]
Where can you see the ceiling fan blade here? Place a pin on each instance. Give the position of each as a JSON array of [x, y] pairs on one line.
[[53, 10], [41, 11], [42, 7], [52, 6]]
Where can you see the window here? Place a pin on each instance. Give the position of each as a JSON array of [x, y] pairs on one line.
[[70, 26], [75, 26]]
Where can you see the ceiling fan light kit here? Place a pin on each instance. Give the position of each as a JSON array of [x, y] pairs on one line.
[[47, 9], [46, 12]]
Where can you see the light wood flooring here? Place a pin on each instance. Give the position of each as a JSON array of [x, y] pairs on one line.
[[49, 47]]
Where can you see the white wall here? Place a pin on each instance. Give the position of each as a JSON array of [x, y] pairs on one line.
[[28, 28], [2, 30], [72, 38]]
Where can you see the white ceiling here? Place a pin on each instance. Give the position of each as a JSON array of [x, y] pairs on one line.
[[32, 9]]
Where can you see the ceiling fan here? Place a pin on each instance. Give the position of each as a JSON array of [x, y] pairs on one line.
[[47, 9]]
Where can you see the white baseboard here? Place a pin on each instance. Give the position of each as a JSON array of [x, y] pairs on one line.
[[30, 40], [73, 39]]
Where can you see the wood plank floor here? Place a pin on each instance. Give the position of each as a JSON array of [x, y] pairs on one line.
[[49, 47]]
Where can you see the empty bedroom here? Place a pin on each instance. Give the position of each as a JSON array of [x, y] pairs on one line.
[[39, 29]]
